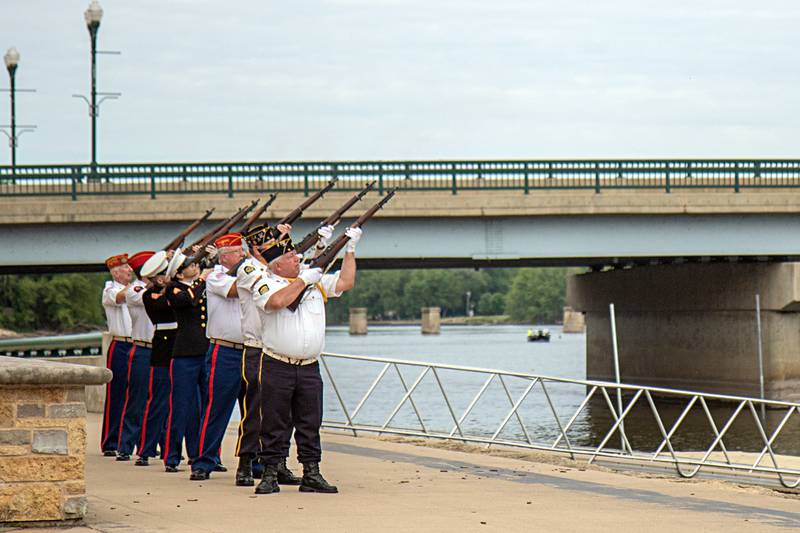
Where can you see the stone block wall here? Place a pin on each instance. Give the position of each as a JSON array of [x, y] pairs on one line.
[[42, 453]]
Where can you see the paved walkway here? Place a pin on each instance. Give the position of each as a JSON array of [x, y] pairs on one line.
[[390, 486]]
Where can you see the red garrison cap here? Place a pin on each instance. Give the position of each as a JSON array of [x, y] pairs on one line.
[[116, 260], [138, 259], [231, 239]]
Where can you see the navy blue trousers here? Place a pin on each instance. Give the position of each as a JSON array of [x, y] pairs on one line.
[[117, 362], [154, 419], [135, 398], [223, 366], [187, 375]]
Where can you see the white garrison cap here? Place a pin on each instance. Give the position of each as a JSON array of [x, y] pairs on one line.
[[175, 263], [157, 264]]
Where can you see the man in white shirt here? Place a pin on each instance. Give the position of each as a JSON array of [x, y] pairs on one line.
[[138, 360], [291, 384], [119, 326]]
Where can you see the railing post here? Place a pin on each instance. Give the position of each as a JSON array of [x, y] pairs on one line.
[[596, 178], [230, 183], [453, 184], [74, 187], [527, 179], [736, 178], [667, 184], [305, 183], [152, 184], [380, 182]]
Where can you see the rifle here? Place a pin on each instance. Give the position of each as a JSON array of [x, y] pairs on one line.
[[255, 216], [210, 236], [312, 238], [329, 255], [177, 241], [235, 219], [298, 211]]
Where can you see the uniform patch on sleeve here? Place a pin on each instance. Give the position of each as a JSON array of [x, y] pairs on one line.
[[176, 290], [264, 289], [155, 295], [249, 269]]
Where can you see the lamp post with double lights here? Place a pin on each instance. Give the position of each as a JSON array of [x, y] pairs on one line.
[[12, 62], [93, 15]]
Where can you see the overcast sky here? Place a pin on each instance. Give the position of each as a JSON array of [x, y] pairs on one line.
[[260, 80]]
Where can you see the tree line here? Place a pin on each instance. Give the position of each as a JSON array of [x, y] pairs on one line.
[[71, 302]]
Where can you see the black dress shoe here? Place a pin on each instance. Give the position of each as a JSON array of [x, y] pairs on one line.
[[285, 476], [170, 469], [219, 467], [123, 457], [199, 475], [269, 481], [314, 482], [142, 461], [109, 453]]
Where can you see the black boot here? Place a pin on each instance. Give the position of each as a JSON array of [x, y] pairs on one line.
[[142, 461], [285, 476], [244, 472], [269, 481], [313, 481]]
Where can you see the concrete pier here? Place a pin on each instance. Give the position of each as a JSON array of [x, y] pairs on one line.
[[431, 320], [693, 326], [358, 321], [573, 321]]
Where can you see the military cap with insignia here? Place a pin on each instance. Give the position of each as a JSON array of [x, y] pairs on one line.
[[270, 244], [155, 265], [116, 260], [231, 240]]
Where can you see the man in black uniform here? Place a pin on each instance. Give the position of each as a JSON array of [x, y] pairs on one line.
[[163, 318], [186, 296]]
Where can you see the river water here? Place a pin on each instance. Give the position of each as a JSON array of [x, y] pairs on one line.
[[505, 348]]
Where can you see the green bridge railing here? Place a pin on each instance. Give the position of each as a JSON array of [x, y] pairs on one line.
[[156, 179]]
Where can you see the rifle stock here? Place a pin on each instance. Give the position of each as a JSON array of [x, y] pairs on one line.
[[330, 253], [312, 238], [177, 241]]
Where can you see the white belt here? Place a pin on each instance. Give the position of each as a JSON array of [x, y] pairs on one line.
[[167, 325], [290, 360]]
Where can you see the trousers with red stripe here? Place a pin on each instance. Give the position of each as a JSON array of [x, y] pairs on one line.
[[135, 398], [223, 367], [156, 410], [117, 362], [188, 377]]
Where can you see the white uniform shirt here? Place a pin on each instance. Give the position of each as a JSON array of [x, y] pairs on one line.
[[250, 272], [224, 316], [119, 321], [299, 334], [141, 327]]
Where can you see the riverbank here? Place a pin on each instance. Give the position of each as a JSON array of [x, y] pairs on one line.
[[391, 486]]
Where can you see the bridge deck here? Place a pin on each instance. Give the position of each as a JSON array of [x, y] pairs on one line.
[[387, 486]]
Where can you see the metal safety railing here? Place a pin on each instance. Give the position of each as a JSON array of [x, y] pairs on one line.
[[53, 346], [567, 422], [158, 179]]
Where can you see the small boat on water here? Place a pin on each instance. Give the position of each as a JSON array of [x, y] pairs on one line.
[[538, 335]]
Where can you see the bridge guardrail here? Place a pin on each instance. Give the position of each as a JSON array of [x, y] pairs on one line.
[[559, 436], [158, 179], [53, 346]]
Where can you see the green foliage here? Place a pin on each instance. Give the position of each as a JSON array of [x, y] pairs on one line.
[[51, 302], [527, 294]]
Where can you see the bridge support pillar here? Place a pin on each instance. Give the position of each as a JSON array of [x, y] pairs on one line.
[[431, 320], [693, 326], [358, 321]]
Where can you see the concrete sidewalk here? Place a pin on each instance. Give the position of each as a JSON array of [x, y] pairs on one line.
[[390, 486]]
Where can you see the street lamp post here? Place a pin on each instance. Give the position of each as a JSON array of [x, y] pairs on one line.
[[12, 62], [93, 15]]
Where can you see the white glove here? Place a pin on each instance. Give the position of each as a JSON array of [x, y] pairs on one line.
[[355, 236], [311, 275], [325, 233], [212, 251]]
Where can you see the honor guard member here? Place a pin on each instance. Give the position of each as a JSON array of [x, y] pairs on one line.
[[249, 272], [158, 384], [291, 385], [224, 357], [119, 326], [186, 296], [138, 360]]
